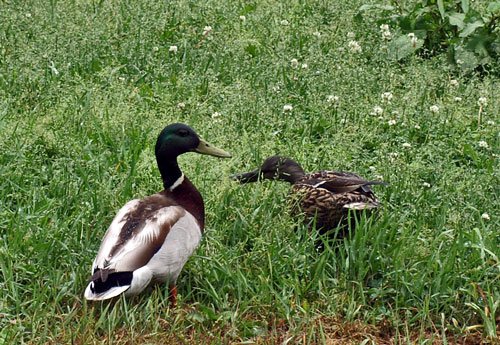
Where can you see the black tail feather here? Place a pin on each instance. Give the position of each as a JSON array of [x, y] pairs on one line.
[[113, 280]]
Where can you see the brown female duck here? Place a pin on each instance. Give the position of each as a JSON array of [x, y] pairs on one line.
[[325, 198]]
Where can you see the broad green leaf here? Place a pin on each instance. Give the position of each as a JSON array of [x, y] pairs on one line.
[[465, 59], [477, 44], [494, 7], [470, 28], [495, 46], [465, 6], [402, 47], [457, 19], [441, 8], [471, 153]]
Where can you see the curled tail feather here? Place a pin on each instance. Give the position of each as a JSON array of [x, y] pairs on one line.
[[108, 286]]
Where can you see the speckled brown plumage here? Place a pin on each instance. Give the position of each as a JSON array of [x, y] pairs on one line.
[[324, 198], [327, 207]]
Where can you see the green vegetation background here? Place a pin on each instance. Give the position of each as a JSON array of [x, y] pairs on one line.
[[86, 86]]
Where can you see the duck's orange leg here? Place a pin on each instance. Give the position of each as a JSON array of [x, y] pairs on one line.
[[172, 297]]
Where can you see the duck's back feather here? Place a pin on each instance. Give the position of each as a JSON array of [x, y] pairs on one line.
[[337, 181], [327, 196]]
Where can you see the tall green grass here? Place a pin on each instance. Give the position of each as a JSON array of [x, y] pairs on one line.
[[86, 86]]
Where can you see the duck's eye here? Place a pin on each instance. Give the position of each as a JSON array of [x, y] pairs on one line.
[[183, 132]]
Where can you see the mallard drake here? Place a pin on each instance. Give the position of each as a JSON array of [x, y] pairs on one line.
[[325, 198], [150, 239]]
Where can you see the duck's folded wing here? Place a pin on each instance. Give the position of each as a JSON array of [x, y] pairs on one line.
[[133, 238], [114, 229], [340, 182]]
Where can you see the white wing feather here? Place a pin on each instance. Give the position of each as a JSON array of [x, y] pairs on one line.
[[113, 233], [138, 242]]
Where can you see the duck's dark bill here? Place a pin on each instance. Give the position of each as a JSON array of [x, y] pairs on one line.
[[252, 176], [208, 149]]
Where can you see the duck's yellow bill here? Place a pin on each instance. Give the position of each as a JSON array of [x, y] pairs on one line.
[[208, 149]]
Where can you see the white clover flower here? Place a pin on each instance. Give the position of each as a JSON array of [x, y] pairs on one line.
[[155, 49], [243, 18], [458, 99], [379, 177], [454, 83], [485, 216], [413, 39], [482, 101], [387, 96], [426, 185], [483, 144], [391, 122], [287, 108], [490, 122], [372, 168], [173, 49], [53, 68], [284, 22], [434, 109], [121, 78], [28, 15], [393, 154], [294, 63], [377, 110], [417, 126], [206, 30], [406, 145], [332, 99], [304, 66], [317, 34], [351, 35], [354, 47], [181, 105], [215, 115], [386, 32]]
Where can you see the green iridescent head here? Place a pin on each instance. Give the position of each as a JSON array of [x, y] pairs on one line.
[[178, 138]]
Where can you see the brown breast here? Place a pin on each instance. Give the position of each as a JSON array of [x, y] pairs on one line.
[[187, 196]]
